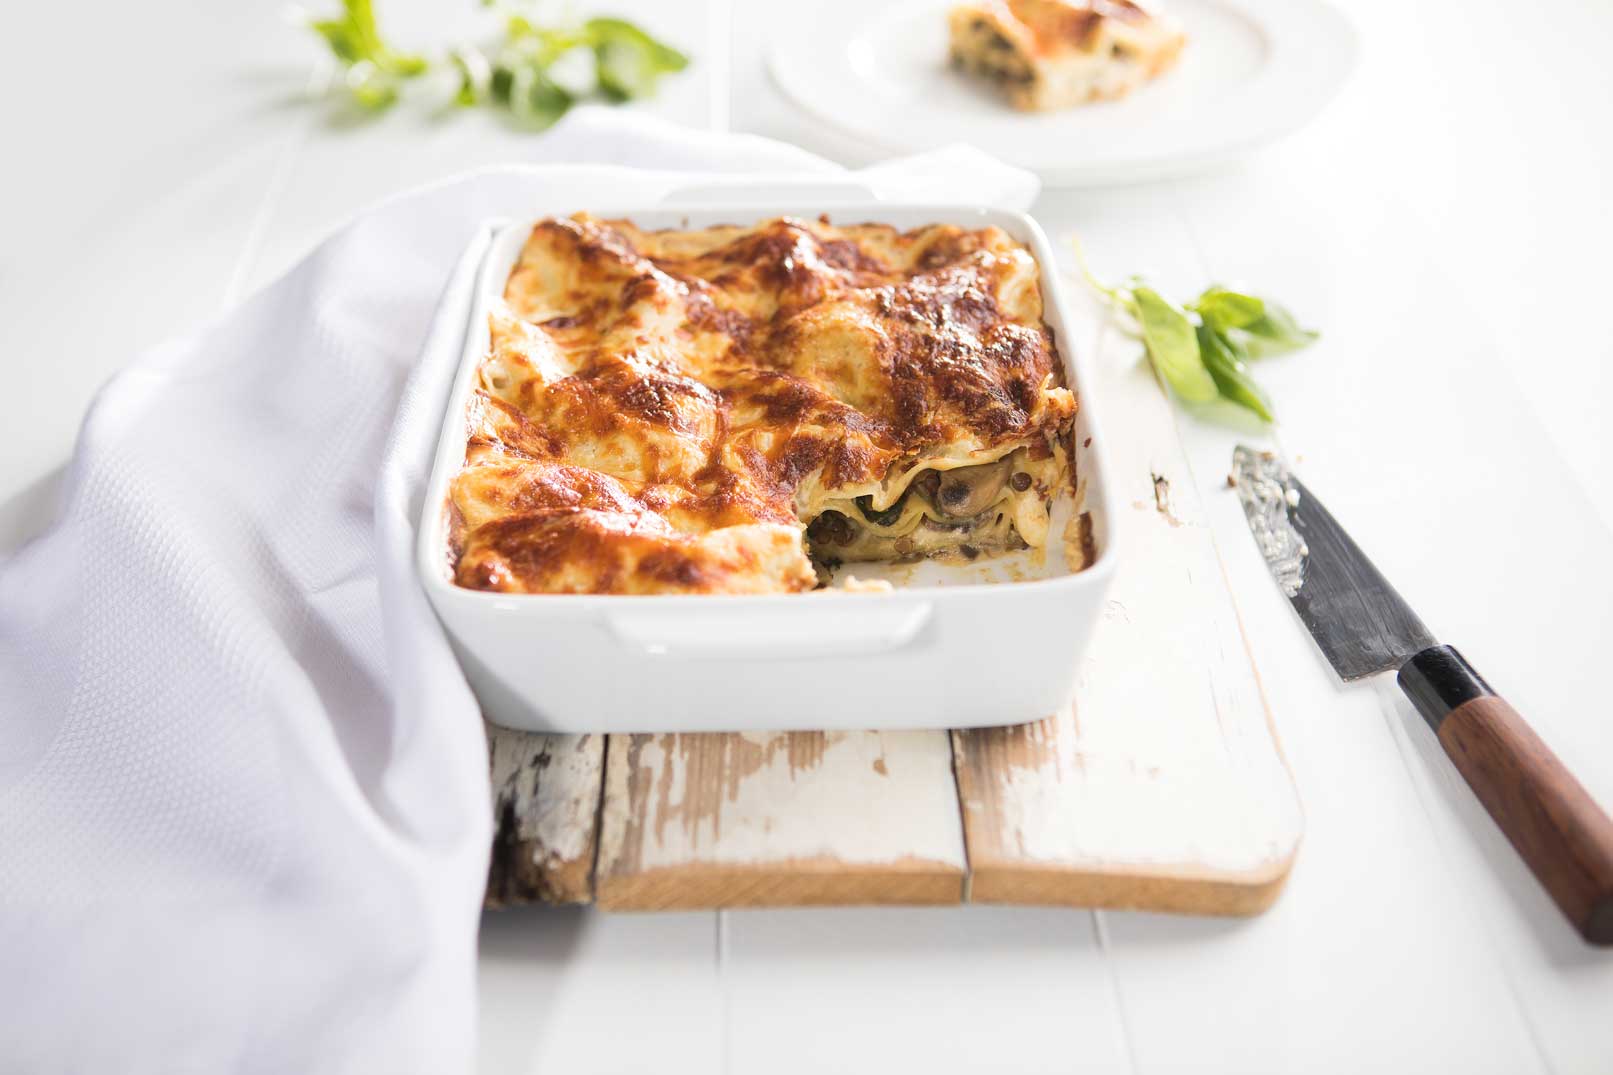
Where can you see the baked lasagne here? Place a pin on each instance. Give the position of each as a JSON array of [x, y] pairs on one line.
[[1047, 54], [741, 409]]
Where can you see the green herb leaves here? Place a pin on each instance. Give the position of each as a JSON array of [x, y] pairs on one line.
[[1203, 350], [1225, 361], [374, 69], [539, 72], [1275, 333], [630, 60], [1225, 309], [1173, 346], [536, 72]]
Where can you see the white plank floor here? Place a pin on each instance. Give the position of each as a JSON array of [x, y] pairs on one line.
[[1446, 223]]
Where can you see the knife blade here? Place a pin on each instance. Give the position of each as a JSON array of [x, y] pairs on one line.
[[1362, 626]]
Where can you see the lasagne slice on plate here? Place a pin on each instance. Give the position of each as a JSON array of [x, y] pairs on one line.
[[1048, 54]]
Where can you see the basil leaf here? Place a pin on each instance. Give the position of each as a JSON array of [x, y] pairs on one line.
[[341, 39], [534, 98], [625, 70], [475, 76], [1228, 309], [663, 56], [630, 60], [575, 71], [1224, 359], [501, 84], [1276, 333], [371, 87], [407, 65], [1173, 346], [374, 68]]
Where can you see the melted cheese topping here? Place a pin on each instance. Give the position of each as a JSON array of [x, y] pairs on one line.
[[665, 412]]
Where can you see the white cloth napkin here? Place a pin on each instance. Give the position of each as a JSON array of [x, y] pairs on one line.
[[244, 803]]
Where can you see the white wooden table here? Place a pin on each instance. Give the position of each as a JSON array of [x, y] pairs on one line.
[[1446, 222]]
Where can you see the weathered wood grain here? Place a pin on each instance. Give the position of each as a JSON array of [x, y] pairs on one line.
[[546, 792], [1163, 786], [779, 819]]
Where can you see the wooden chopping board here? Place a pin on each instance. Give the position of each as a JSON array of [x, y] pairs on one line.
[[1162, 786]]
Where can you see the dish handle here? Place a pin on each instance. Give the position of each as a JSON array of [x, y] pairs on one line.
[[838, 626]]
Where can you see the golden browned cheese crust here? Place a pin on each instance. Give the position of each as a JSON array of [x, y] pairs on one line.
[[664, 412]]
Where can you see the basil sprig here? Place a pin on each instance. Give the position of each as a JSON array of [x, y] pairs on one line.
[[374, 69], [1203, 349], [536, 72]]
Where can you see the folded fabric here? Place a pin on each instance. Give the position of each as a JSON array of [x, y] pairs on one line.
[[244, 804]]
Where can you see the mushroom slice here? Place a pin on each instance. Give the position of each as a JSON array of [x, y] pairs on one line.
[[967, 491]]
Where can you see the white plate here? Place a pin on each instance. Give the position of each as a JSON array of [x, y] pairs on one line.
[[1252, 71]]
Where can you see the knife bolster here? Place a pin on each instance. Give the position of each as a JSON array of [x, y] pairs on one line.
[[1439, 680]]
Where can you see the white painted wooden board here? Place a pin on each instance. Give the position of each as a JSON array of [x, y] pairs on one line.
[[780, 818], [1163, 787], [546, 791]]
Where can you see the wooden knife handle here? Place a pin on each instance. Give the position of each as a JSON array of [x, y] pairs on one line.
[[1551, 819]]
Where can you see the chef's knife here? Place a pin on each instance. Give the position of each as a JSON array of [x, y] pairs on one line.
[[1363, 626]]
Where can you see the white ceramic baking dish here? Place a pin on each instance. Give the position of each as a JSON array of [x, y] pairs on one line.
[[994, 642]]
